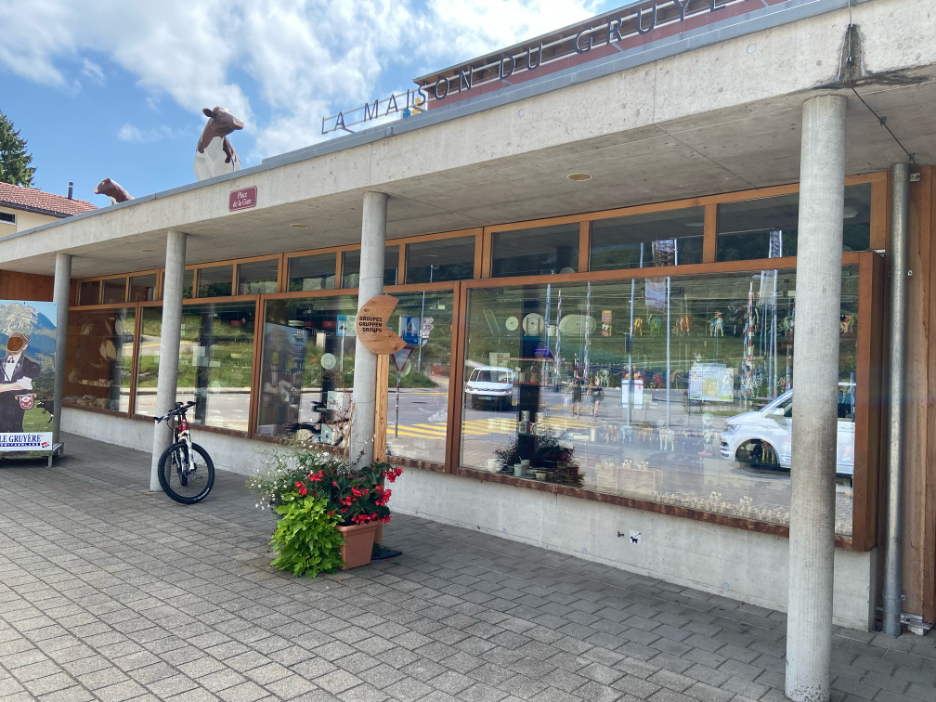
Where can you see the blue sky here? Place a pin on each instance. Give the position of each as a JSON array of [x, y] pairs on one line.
[[101, 89]]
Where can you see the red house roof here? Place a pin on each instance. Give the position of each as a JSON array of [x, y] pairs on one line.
[[33, 200]]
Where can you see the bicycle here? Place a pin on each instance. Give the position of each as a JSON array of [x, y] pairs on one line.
[[186, 471]]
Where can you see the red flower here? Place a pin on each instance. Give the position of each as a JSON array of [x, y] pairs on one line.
[[331, 513], [344, 509], [302, 489]]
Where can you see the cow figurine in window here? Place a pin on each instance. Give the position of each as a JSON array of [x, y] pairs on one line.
[[215, 155]]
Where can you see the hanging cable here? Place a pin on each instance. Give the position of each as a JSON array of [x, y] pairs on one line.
[[851, 70], [883, 123]]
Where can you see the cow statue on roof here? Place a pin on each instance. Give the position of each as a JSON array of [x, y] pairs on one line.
[[113, 190], [215, 155]]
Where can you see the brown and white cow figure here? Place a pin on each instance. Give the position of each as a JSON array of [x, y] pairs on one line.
[[215, 155], [113, 190]]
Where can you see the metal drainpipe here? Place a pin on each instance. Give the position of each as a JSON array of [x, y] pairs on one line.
[[899, 282]]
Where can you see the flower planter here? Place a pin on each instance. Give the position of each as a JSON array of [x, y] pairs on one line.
[[358, 544]]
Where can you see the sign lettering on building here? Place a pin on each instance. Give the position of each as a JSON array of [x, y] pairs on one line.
[[242, 199], [371, 325]]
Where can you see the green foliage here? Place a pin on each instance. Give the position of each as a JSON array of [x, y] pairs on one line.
[[306, 540], [353, 496], [14, 159]]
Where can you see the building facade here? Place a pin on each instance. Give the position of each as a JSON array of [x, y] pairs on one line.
[[596, 258]]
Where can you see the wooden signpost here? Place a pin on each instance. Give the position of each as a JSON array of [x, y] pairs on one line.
[[372, 329]]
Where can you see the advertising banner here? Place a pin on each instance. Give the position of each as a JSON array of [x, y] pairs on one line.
[[27, 375]]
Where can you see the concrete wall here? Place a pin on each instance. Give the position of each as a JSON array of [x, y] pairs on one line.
[[739, 564], [231, 453], [743, 565]]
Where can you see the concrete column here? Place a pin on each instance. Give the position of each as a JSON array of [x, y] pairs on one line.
[[373, 247], [60, 295], [170, 337], [815, 389]]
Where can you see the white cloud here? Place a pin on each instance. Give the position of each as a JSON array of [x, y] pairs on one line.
[[134, 134], [92, 71], [308, 58]]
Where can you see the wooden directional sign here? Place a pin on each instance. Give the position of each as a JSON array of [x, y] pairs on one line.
[[372, 329]]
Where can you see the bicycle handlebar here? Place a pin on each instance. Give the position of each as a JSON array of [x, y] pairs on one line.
[[180, 408]]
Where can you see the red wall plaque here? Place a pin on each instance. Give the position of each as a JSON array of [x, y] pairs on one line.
[[242, 199]]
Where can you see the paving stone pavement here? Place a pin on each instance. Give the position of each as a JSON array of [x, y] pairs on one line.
[[109, 592]]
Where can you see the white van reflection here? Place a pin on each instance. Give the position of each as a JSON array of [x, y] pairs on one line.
[[763, 438], [490, 384]]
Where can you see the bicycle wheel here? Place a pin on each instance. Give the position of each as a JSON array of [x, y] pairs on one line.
[[178, 480]]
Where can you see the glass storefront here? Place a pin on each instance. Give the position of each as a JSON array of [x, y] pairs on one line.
[[99, 363], [307, 368], [417, 398], [215, 362], [674, 389], [671, 390]]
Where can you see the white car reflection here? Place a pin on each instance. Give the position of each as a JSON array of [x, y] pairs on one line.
[[490, 384], [763, 438]]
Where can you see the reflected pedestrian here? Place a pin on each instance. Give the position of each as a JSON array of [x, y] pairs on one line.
[[596, 392], [575, 385]]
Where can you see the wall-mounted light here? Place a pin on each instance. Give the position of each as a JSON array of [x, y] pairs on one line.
[[299, 226], [579, 176]]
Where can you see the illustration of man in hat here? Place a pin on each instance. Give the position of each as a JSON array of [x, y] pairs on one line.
[[17, 372]]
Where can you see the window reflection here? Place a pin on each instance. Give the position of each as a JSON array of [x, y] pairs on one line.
[[115, 291], [642, 241], [417, 401], [768, 228], [352, 267], [258, 277], [100, 357], [537, 251], [307, 368], [308, 273], [143, 288], [215, 361], [89, 292], [672, 389], [215, 281], [443, 259]]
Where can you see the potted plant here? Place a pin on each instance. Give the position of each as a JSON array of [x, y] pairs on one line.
[[309, 485]]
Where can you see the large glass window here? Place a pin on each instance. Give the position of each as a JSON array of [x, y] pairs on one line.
[[352, 267], [215, 281], [672, 389], [258, 277], [115, 291], [537, 251], [671, 238], [215, 362], [417, 402], [442, 259], [143, 288], [98, 365], [307, 368], [307, 273], [767, 228]]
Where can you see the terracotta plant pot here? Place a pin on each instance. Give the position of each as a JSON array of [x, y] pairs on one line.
[[358, 544]]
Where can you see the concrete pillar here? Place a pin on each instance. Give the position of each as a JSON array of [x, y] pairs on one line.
[[373, 247], [815, 389], [170, 337], [60, 295]]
